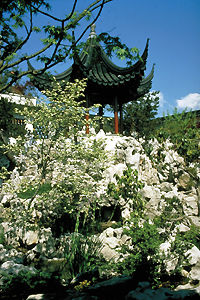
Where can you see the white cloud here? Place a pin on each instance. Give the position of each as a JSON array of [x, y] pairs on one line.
[[191, 101], [161, 100]]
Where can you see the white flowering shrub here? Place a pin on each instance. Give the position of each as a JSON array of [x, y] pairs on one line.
[[59, 167]]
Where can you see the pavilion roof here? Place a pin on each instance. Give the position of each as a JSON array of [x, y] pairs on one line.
[[94, 64], [105, 77]]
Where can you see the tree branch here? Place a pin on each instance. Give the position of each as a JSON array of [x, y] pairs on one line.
[[56, 47], [28, 33], [100, 10], [25, 58], [98, 4], [72, 12], [54, 18]]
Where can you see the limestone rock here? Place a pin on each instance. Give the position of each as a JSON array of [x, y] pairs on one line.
[[153, 197], [118, 232], [115, 169], [195, 220], [36, 297], [193, 255], [31, 238], [109, 254], [190, 204], [10, 267], [194, 274], [11, 255], [126, 213], [166, 187], [151, 193], [182, 228], [15, 177], [161, 170], [6, 199], [133, 160], [184, 181], [170, 261], [195, 289], [3, 253], [162, 293], [45, 245], [171, 194], [53, 265], [109, 232], [147, 173], [111, 240]]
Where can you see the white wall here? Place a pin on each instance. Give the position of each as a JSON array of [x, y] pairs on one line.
[[19, 99]]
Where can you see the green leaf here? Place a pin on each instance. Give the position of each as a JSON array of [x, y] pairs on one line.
[[36, 29], [88, 16]]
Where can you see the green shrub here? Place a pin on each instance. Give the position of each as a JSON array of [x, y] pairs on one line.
[[128, 187], [192, 236], [139, 115], [25, 282], [181, 129], [69, 165], [2, 236], [82, 254], [31, 190], [171, 216], [142, 259]]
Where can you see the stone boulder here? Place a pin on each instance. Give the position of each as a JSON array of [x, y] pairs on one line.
[[112, 240], [193, 256], [144, 292], [10, 267]]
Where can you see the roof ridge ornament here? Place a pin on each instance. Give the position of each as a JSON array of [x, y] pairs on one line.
[[92, 31]]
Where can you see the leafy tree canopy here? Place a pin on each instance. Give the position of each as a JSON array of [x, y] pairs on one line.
[[59, 37], [138, 114], [183, 131], [18, 25]]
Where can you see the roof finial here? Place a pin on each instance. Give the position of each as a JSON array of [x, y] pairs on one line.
[[92, 31]]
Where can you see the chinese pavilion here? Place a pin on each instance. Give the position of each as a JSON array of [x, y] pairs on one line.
[[107, 83]]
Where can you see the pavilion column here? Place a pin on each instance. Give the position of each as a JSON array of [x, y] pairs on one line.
[[121, 118], [116, 115], [87, 130], [101, 115]]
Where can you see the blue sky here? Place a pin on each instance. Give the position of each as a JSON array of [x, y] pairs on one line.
[[173, 27]]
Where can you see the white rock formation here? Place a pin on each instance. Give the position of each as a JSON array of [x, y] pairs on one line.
[[164, 175]]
